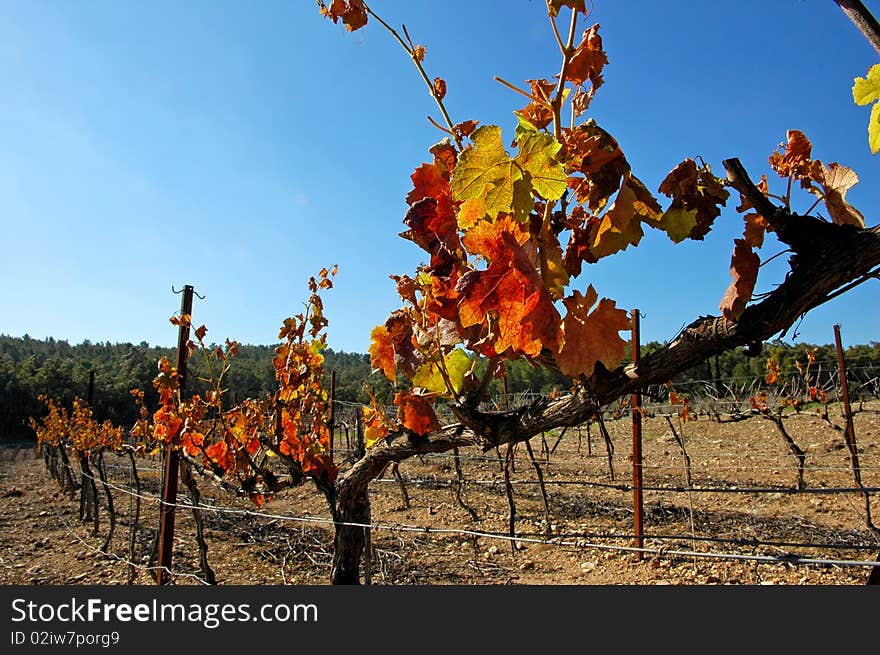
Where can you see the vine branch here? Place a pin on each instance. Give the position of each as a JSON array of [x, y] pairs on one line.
[[863, 19], [412, 54]]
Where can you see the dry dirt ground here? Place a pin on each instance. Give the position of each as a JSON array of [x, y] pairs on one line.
[[42, 540]]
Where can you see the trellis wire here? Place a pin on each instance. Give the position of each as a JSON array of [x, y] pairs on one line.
[[788, 558]]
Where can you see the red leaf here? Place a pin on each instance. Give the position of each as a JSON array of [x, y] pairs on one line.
[[510, 301], [429, 181]]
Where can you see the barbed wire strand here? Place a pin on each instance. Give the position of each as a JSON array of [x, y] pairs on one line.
[[788, 558], [151, 569]]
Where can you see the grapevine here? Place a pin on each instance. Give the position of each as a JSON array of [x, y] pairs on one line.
[[510, 234]]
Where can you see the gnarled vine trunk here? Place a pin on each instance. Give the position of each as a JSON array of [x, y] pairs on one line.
[[828, 260], [352, 512]]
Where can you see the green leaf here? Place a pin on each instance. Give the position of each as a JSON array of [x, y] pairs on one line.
[[537, 156], [457, 363], [678, 223], [867, 90], [486, 175], [485, 171]]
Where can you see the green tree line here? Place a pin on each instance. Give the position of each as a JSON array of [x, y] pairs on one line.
[[54, 368]]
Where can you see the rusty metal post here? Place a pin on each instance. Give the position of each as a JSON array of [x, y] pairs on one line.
[[850, 436], [636, 405], [332, 411], [850, 431], [172, 455]]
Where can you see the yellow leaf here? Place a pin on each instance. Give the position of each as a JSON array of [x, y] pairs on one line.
[[429, 377], [865, 91], [678, 223]]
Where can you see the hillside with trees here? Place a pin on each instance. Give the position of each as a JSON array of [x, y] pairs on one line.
[[58, 370]]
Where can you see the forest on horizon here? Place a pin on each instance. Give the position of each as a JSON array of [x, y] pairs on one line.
[[56, 369]]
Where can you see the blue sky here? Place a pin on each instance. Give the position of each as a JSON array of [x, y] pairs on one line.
[[241, 146]]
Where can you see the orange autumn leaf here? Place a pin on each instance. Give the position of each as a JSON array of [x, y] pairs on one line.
[[429, 181], [577, 251], [406, 287], [620, 226], [352, 13], [439, 88], [538, 111], [217, 452], [685, 413], [511, 301], [191, 441], [407, 359], [588, 61], [375, 425], [744, 269], [290, 445], [444, 152], [589, 338], [795, 161], [773, 371], [416, 413], [594, 163], [484, 238], [756, 226], [465, 128], [375, 421], [442, 296], [382, 352], [319, 465], [433, 227], [695, 189], [431, 219]]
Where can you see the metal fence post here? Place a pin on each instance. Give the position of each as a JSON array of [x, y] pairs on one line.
[[636, 405], [172, 455]]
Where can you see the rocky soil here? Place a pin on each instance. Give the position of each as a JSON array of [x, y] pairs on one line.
[[288, 541]]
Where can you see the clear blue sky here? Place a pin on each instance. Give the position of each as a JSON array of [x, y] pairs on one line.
[[241, 146]]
